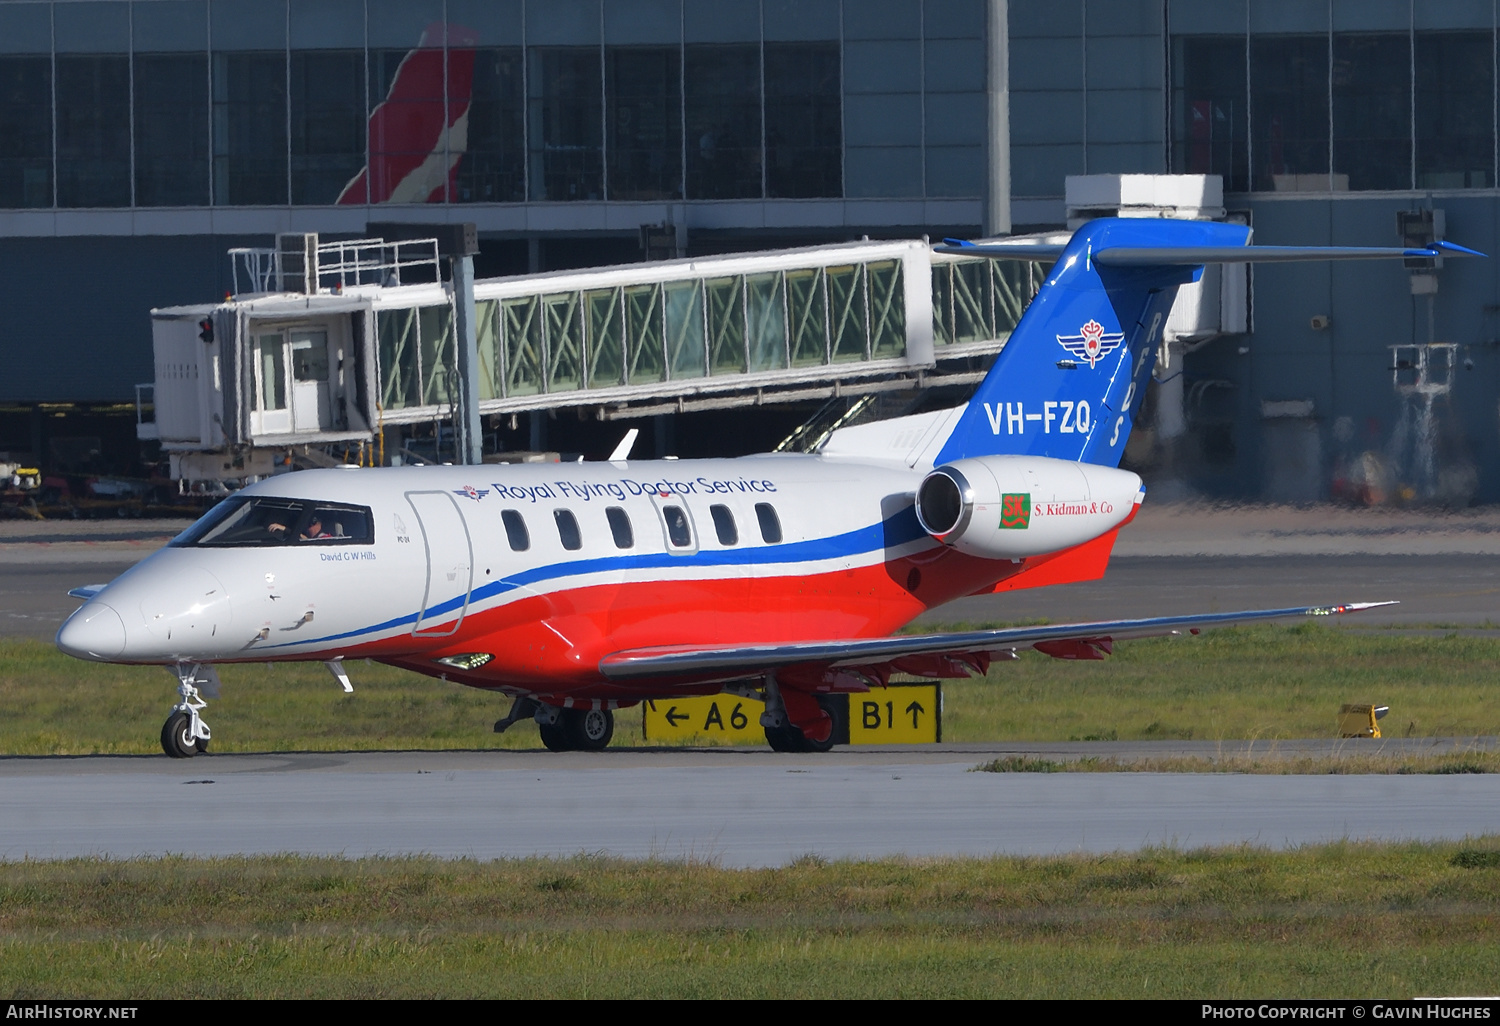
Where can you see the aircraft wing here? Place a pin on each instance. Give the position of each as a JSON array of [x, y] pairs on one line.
[[1064, 641]]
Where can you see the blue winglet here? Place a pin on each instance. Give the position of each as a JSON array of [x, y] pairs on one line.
[[958, 242], [1453, 247]]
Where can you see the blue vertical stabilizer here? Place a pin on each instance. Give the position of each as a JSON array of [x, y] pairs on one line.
[[1070, 381]]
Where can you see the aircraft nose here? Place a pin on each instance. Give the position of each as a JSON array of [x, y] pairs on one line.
[[95, 631]]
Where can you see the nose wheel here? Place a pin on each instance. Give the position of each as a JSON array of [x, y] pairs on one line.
[[576, 730], [185, 735]]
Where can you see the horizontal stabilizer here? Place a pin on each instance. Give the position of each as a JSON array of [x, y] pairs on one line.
[[1192, 256], [752, 660]]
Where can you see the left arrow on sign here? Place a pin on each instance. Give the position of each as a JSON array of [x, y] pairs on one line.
[[673, 716]]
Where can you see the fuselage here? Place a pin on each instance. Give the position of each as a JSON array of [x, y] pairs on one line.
[[522, 577]]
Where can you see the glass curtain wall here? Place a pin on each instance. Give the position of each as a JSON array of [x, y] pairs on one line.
[[92, 92], [804, 126], [249, 102], [25, 105], [723, 121], [170, 92], [493, 167], [643, 90], [1391, 110]]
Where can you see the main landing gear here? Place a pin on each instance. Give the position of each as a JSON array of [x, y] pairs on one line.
[[563, 730], [784, 736], [185, 734]]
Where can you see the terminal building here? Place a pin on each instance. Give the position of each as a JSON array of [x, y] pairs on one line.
[[143, 140]]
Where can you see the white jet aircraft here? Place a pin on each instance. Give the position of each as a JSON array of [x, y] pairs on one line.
[[582, 588]]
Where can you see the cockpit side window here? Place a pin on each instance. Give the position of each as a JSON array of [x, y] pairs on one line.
[[264, 520]]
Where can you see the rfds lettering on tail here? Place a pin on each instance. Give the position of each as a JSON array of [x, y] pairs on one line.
[[779, 579]]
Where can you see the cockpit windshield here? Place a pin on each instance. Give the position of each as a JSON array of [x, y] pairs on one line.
[[245, 521]]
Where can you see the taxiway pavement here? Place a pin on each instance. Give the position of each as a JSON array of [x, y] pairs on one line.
[[735, 807]]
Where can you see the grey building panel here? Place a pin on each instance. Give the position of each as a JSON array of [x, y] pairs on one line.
[[562, 22], [1124, 116], [395, 24], [954, 19], [956, 119], [92, 27], [498, 22], [883, 120], [793, 20], [1455, 14], [327, 24], [25, 28], [1040, 170], [163, 26], [1124, 18], [1052, 63], [642, 21], [882, 171], [956, 65], [721, 21], [95, 345], [1133, 158], [1371, 15], [1282, 16], [1126, 62], [883, 66], [247, 24], [1029, 20], [884, 19], [956, 171], [1050, 117], [1207, 17]]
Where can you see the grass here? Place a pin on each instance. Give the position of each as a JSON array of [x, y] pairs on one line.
[[1341, 920], [1264, 682]]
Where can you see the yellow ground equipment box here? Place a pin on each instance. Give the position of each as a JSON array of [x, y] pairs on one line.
[[899, 714], [1361, 720]]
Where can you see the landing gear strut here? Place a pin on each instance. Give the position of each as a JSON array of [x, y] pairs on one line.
[[185, 734], [575, 730]]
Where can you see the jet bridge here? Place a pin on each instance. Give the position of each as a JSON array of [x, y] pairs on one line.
[[331, 343]]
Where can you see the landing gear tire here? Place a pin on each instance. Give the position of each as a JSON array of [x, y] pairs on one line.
[[177, 737], [554, 737], [788, 738], [588, 730], [784, 739]]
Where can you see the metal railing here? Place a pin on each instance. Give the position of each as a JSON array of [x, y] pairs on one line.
[[335, 266]]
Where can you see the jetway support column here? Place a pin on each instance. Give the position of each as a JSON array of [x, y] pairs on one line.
[[997, 210], [466, 417]]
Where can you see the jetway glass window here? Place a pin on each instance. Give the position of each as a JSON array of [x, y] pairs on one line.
[[566, 124], [486, 337], [171, 130], [398, 342], [726, 325], [493, 167], [684, 315], [564, 326], [979, 300], [804, 130], [643, 90], [328, 126], [249, 129], [847, 311], [805, 312], [1455, 127], [1289, 111], [1210, 109], [722, 100], [439, 367], [606, 335], [765, 321], [25, 131], [93, 130], [524, 364], [1372, 110], [643, 330], [887, 309]]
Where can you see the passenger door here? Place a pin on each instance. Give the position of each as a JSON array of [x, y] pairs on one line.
[[450, 564]]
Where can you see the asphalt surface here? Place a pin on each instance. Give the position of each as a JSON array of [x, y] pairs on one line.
[[736, 807]]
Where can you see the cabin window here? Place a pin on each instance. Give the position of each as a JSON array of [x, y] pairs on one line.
[[515, 530], [254, 521], [770, 523], [678, 531], [619, 526], [567, 529], [724, 525]]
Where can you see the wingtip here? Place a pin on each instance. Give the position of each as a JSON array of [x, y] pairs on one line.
[[1349, 607], [960, 243]]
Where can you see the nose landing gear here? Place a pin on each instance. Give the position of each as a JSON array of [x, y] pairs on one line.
[[575, 730], [185, 734]]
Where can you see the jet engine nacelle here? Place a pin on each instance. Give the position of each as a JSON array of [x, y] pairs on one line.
[[1010, 507]]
